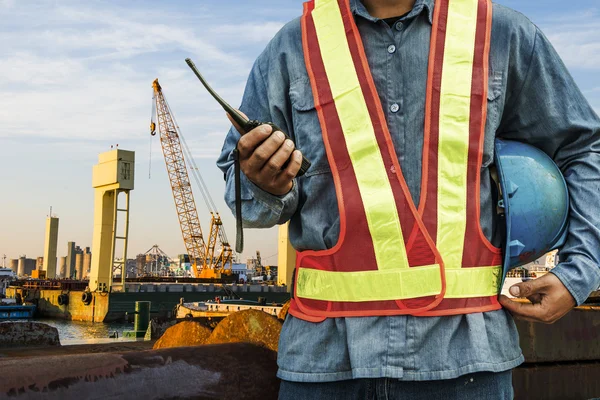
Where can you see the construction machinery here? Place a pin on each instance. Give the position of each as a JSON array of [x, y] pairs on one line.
[[206, 263]]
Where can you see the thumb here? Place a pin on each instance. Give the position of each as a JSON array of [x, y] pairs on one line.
[[526, 289]]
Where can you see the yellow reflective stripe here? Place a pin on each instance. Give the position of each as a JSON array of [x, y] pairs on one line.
[[473, 282], [369, 285], [396, 284], [374, 186], [455, 104]]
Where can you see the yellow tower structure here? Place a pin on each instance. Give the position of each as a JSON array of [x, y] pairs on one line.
[[286, 258], [113, 175]]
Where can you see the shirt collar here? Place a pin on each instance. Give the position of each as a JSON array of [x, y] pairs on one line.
[[359, 9]]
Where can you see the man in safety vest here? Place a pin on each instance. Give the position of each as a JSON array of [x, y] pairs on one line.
[[398, 105]]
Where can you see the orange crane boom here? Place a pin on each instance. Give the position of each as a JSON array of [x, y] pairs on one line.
[[204, 263]]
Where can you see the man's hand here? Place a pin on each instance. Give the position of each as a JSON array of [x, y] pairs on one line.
[[550, 300], [262, 155]]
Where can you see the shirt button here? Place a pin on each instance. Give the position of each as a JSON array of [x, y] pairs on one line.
[[391, 48], [399, 26], [394, 107]]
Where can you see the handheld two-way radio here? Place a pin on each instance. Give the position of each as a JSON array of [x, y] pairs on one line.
[[246, 125]]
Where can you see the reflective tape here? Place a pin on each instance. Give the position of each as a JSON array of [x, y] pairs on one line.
[[455, 111], [396, 284], [371, 174]]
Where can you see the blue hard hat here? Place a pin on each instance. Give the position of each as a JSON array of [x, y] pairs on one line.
[[535, 200]]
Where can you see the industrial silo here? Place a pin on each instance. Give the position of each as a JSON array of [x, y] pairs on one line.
[[71, 251], [79, 266], [21, 266], [87, 264], [14, 266], [62, 267], [29, 265]]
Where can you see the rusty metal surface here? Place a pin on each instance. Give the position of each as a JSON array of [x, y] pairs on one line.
[[47, 284], [185, 333], [250, 326], [575, 381], [575, 337], [284, 311], [229, 371]]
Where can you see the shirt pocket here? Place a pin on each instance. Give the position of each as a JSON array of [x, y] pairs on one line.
[[307, 128], [494, 112], [494, 85]]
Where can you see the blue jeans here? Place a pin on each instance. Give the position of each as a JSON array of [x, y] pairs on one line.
[[477, 386]]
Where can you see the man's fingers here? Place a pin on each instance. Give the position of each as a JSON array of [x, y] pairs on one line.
[[263, 153], [528, 311], [249, 142], [292, 169], [277, 160], [535, 298]]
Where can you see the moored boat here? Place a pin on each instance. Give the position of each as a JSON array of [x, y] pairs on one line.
[[16, 311], [220, 308]]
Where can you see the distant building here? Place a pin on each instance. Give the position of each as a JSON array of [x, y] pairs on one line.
[[131, 268], [87, 264], [185, 264], [14, 265], [242, 271], [50, 244], [70, 272], [25, 266], [79, 266], [62, 268], [140, 264]]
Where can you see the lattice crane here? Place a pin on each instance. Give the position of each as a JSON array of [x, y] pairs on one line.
[[202, 253]]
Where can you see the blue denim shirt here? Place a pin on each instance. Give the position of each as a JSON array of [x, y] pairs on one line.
[[531, 98]]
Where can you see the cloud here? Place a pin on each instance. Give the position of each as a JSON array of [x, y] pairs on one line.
[[576, 38], [592, 90], [251, 32], [85, 72], [28, 69], [7, 4]]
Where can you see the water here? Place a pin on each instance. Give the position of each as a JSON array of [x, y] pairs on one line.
[[79, 332]]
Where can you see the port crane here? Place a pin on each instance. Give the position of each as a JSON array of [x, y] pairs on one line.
[[205, 262]]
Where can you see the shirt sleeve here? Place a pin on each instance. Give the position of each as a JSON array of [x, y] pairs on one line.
[[546, 109], [260, 209]]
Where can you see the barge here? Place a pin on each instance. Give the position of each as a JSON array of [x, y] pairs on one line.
[[72, 300]]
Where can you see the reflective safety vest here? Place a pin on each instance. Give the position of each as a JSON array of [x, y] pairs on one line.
[[394, 258]]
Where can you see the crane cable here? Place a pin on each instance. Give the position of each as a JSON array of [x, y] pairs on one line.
[[200, 183], [152, 133], [190, 159]]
